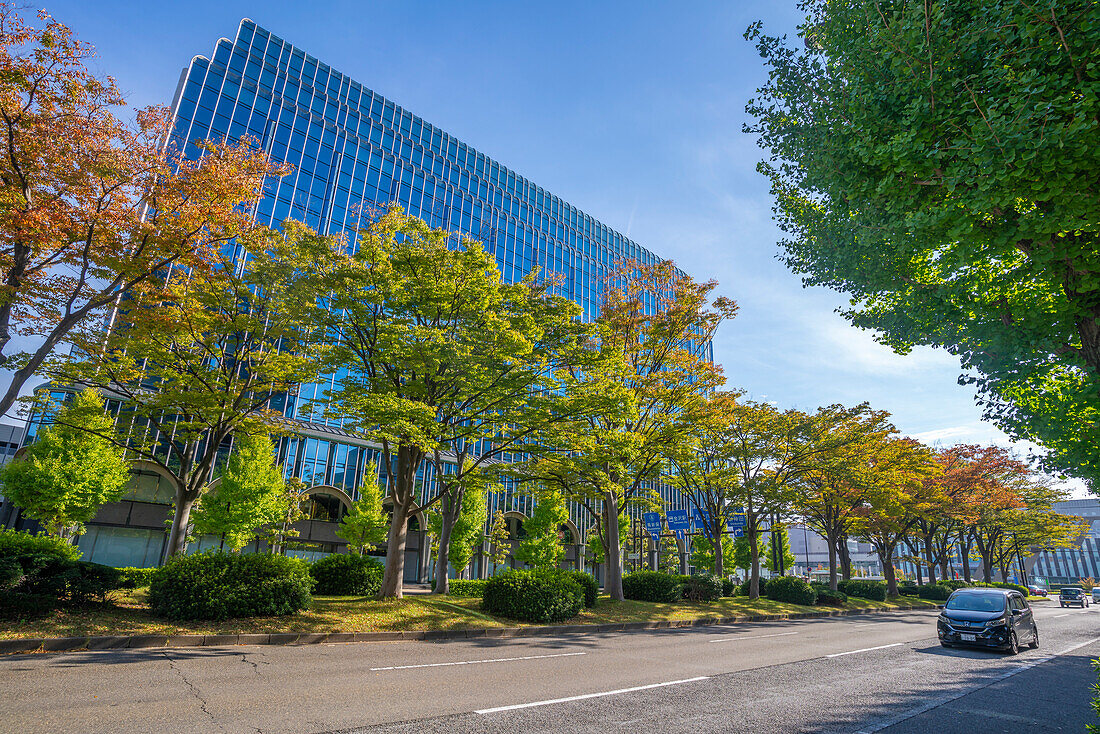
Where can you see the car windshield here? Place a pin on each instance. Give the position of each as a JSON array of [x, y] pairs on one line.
[[1071, 592], [977, 603]]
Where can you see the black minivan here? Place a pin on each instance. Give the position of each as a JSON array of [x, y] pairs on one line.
[[997, 618]]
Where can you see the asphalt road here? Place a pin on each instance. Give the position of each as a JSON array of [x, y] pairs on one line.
[[866, 673]]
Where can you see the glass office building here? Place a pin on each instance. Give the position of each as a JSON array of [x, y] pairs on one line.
[[353, 151]]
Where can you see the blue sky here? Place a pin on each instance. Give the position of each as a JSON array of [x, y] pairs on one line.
[[631, 111]]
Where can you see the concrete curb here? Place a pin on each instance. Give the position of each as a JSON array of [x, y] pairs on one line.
[[119, 642]]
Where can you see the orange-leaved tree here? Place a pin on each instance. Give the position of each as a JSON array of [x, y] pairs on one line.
[[92, 207]]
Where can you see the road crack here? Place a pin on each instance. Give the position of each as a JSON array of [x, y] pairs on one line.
[[194, 690]]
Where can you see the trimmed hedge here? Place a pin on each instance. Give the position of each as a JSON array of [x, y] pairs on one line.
[[743, 589], [728, 587], [217, 585], [1004, 585], [652, 586], [703, 587], [41, 565], [791, 589], [908, 589], [589, 585], [827, 596], [466, 587], [17, 605], [344, 574], [864, 589], [533, 596], [136, 578], [934, 592]]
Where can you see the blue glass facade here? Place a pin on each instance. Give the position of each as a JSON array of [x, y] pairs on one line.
[[352, 152]]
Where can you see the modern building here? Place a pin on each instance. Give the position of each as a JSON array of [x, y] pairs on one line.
[[352, 152], [1070, 565]]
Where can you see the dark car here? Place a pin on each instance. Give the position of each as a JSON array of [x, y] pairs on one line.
[[1070, 595], [998, 618]]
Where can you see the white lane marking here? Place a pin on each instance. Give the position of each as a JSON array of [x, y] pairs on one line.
[[948, 699], [1059, 616], [475, 662], [865, 649], [582, 697], [754, 637]]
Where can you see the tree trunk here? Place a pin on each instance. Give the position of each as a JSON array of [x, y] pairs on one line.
[[965, 555], [831, 542], [931, 561], [754, 572], [394, 572], [845, 557], [718, 560], [177, 535], [887, 560], [613, 578], [987, 569], [450, 507]]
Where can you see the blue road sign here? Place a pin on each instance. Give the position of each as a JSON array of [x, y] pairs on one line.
[[701, 518], [736, 523], [678, 522], [653, 524]]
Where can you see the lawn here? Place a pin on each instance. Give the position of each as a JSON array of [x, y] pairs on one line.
[[129, 616]]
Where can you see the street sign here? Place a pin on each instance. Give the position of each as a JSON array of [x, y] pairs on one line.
[[678, 522], [736, 523], [701, 518], [653, 525]]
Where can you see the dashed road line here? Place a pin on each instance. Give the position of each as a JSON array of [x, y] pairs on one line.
[[865, 649], [754, 637], [584, 696], [477, 662]]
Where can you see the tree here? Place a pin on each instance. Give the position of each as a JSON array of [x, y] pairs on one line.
[[364, 525], [831, 492], [936, 163], [251, 493], [93, 207], [779, 556], [595, 545], [703, 556], [896, 486], [542, 548], [211, 353], [280, 533], [648, 363], [467, 531], [444, 363], [500, 546], [70, 471]]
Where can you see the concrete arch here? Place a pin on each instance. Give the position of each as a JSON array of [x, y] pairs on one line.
[[387, 506], [336, 492], [577, 540]]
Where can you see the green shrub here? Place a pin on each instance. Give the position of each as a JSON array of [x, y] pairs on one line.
[[589, 584], [953, 584], [743, 589], [466, 587], [545, 596], [11, 573], [703, 587], [17, 605], [136, 578], [864, 589], [791, 589], [827, 596], [908, 589], [652, 586], [92, 581], [344, 574], [219, 585], [728, 587], [1005, 585], [14, 543], [934, 592]]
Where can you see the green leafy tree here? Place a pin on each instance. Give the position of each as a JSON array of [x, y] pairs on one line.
[[542, 548], [779, 548], [703, 556], [445, 363], [251, 493], [467, 532], [499, 543], [364, 525], [647, 365], [742, 554], [205, 356], [71, 470], [937, 163]]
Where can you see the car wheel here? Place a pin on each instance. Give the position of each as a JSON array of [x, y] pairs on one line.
[[1034, 645], [1013, 644]]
